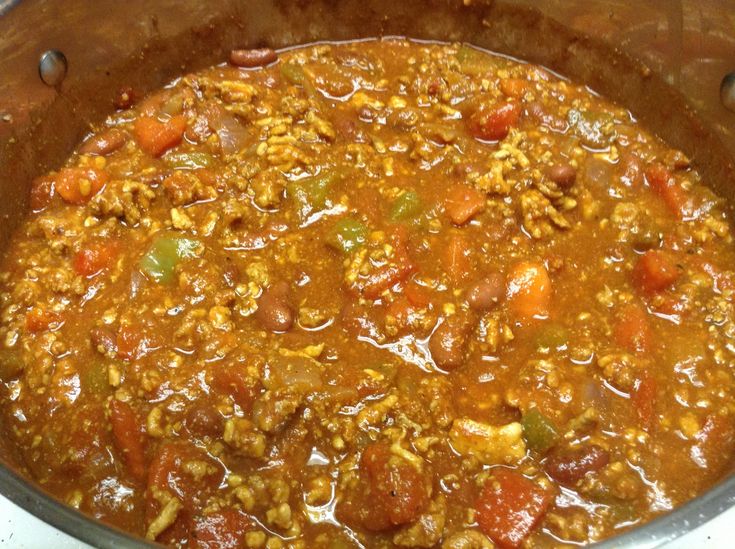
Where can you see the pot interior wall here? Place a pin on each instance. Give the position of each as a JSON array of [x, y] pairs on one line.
[[143, 45]]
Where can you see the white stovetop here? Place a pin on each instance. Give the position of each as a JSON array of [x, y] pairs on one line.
[[21, 530]]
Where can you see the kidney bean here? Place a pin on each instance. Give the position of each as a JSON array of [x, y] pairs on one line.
[[253, 58], [42, 192], [274, 310], [448, 343], [563, 174], [632, 175], [538, 112], [484, 294], [103, 340], [570, 466], [104, 143], [203, 419]]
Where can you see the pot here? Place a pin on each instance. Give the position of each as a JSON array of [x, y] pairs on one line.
[[63, 63]]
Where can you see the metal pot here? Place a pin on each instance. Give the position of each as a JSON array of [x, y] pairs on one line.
[[666, 61]]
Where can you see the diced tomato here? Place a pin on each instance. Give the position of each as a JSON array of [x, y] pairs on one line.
[[655, 271], [168, 472], [403, 313], [670, 305], [128, 435], [417, 295], [514, 87], [529, 289], [94, 257], [456, 258], [79, 185], [632, 330], [386, 277], [663, 183], [390, 274], [156, 137], [397, 487], [38, 319], [223, 529], [509, 507], [207, 176], [463, 203], [131, 342], [644, 399], [715, 444], [233, 380], [42, 192], [494, 123]]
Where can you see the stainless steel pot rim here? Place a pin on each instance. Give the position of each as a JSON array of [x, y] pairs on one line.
[[7, 5], [78, 525]]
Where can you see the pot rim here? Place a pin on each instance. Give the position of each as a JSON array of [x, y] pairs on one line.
[[53, 512]]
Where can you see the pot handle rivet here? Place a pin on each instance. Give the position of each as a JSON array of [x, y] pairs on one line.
[[52, 67], [727, 91]]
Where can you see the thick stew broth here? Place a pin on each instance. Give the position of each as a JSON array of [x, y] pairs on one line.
[[371, 294]]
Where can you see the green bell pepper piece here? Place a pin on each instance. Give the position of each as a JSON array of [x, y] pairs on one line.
[[294, 73], [538, 431], [164, 254], [310, 194], [406, 206], [552, 337], [95, 378], [188, 161], [347, 234]]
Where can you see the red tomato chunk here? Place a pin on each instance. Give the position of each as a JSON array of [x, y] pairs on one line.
[[510, 506]]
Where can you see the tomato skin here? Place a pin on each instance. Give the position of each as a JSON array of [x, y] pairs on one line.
[[79, 185], [514, 87], [401, 310], [38, 319], [128, 342], [133, 343], [386, 277], [224, 529], [654, 272], [418, 296], [529, 289], [128, 436], [398, 489], [456, 258], [463, 203], [509, 507], [232, 380], [644, 399], [399, 269], [632, 330], [167, 472], [494, 123], [155, 137], [43, 190], [663, 183], [715, 443], [93, 258]]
